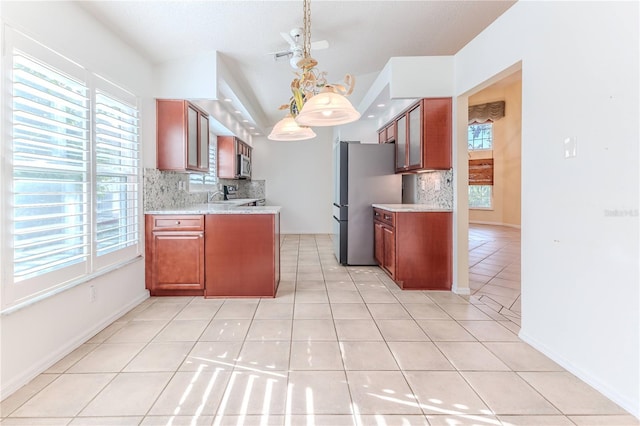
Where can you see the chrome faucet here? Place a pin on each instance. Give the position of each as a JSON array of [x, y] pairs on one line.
[[212, 194]]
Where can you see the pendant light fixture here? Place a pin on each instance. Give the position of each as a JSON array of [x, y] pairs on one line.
[[327, 108], [288, 130], [315, 102]]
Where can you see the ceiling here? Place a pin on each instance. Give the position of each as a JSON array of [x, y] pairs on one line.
[[362, 36]]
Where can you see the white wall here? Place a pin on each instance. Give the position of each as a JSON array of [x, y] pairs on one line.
[[35, 337], [580, 264], [299, 177]]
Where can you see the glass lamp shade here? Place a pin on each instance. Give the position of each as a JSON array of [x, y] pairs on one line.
[[327, 109], [288, 130]]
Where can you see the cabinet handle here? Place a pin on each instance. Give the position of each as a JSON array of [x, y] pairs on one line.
[[387, 217], [177, 222], [200, 235], [376, 214]]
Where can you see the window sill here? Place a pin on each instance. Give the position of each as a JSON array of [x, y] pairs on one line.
[[71, 284]]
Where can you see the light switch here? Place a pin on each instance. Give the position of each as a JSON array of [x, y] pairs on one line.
[[436, 183], [571, 147]]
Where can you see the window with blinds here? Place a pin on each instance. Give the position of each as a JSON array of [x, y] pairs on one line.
[[74, 170], [480, 145], [117, 164], [480, 136], [50, 169], [211, 178]]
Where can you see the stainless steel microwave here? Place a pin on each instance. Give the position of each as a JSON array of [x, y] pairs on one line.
[[244, 166]]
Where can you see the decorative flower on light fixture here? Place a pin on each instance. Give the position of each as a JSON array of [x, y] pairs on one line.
[[315, 102]]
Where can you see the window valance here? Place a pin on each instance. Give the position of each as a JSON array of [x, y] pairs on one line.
[[483, 113]]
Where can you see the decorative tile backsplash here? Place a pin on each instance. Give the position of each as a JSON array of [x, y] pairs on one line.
[[246, 188], [438, 189], [162, 189]]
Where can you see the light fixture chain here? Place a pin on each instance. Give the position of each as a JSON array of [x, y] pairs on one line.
[[307, 28]]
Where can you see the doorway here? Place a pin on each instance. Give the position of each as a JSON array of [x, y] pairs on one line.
[[494, 205]]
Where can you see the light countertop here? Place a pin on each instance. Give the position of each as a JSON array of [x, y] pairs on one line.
[[220, 207], [399, 208]]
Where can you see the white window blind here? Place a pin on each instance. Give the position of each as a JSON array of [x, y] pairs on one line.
[[117, 165], [50, 169], [73, 151]]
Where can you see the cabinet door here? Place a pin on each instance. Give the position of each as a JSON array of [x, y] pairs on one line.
[[178, 261], [203, 143], [378, 237], [391, 132], [192, 138], [389, 250], [401, 143], [227, 157], [382, 136], [415, 138], [437, 122]]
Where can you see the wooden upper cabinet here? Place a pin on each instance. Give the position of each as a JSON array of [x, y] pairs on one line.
[[203, 156], [388, 133], [414, 139], [391, 132], [401, 144], [192, 138], [229, 147], [182, 131], [423, 136], [436, 133]]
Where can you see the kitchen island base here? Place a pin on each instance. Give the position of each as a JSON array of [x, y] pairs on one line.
[[242, 255]]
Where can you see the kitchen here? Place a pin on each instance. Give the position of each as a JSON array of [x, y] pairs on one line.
[[310, 162]]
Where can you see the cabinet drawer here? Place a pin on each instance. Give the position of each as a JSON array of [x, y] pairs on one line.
[[384, 216], [168, 223]]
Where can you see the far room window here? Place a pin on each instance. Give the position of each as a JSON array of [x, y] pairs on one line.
[[480, 136], [480, 196], [480, 145]]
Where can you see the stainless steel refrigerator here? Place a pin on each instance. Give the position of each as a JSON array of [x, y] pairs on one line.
[[364, 174]]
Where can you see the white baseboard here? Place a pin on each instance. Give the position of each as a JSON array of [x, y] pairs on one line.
[[632, 406], [480, 222], [461, 291], [44, 364]]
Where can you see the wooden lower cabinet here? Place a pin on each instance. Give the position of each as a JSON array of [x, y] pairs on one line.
[[385, 247], [174, 258], [213, 255], [415, 248], [242, 255]]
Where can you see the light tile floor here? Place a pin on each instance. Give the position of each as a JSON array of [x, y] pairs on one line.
[[337, 346], [494, 268]]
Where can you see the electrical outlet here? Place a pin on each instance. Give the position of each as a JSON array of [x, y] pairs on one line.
[[436, 183], [92, 293]]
